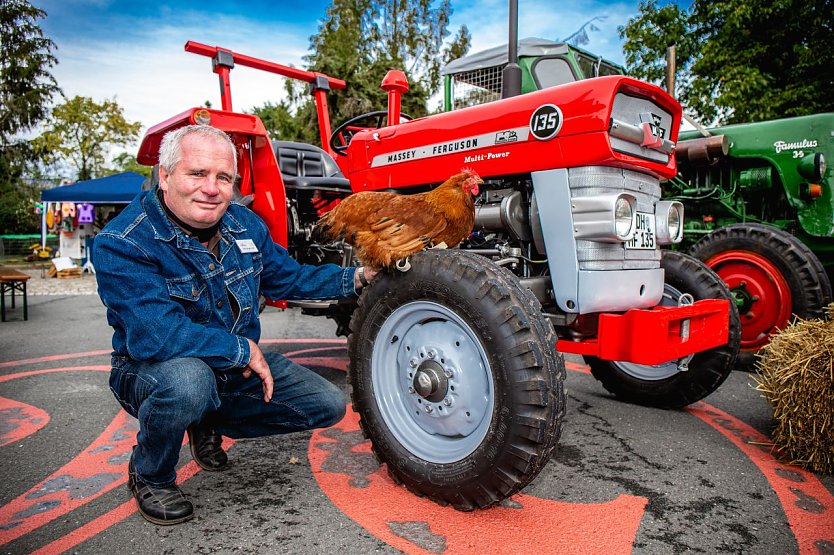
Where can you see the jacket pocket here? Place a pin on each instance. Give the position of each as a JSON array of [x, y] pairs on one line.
[[257, 263], [190, 292]]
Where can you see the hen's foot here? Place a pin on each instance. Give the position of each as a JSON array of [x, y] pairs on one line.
[[403, 265]]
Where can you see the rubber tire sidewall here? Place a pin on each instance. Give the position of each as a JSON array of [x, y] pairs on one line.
[[527, 371], [802, 270], [707, 369]]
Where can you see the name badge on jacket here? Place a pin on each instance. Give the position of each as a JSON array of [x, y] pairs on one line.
[[246, 246]]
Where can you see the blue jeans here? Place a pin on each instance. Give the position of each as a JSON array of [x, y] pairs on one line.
[[168, 397]]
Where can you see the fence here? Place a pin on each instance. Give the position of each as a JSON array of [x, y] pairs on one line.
[[20, 245]]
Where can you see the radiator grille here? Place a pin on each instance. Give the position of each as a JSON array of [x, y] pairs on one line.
[[595, 180]]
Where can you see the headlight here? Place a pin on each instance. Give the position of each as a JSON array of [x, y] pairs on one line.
[[669, 217], [202, 117], [812, 167], [623, 218], [604, 218]]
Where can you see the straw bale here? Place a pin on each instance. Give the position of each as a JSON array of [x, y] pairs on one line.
[[796, 374]]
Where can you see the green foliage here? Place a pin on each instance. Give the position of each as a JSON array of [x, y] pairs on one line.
[[126, 162], [26, 86], [17, 210], [739, 60], [279, 121], [359, 41], [26, 89], [81, 132]]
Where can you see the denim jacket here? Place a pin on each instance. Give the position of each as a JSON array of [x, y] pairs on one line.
[[166, 294]]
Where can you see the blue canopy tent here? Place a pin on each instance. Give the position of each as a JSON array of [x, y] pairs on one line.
[[119, 188]]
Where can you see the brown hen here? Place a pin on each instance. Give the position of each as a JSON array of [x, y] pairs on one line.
[[386, 228]]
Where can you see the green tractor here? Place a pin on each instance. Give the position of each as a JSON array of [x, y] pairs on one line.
[[760, 213], [759, 201], [478, 78]]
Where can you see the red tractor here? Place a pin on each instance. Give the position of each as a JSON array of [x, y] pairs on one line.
[[456, 366]]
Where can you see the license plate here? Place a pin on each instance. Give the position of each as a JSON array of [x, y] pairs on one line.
[[644, 236]]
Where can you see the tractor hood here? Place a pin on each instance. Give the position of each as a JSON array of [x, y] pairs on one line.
[[614, 121]]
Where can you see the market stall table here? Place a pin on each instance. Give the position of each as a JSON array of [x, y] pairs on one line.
[[12, 281]]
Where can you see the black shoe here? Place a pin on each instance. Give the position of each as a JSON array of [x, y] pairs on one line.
[[206, 448], [162, 506]]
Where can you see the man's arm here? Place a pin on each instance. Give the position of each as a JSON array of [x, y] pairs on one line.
[[284, 278], [155, 326]]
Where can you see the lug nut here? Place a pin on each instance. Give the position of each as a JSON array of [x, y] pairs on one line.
[[447, 401], [432, 353], [428, 408], [413, 362], [448, 372], [410, 389]]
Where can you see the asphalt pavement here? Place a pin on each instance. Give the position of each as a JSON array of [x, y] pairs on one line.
[[625, 479]]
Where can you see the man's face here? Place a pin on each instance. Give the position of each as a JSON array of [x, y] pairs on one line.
[[199, 189]]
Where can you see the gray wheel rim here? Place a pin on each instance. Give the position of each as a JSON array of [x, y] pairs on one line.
[[423, 343], [664, 369]]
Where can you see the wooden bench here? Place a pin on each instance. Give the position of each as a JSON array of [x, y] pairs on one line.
[[12, 281]]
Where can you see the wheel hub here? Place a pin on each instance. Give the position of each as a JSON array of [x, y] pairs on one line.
[[760, 291], [438, 396], [744, 300], [430, 381]]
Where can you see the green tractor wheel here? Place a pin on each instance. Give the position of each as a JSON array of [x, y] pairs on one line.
[[772, 276]]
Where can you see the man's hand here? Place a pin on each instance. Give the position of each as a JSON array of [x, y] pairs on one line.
[[369, 274], [258, 365]]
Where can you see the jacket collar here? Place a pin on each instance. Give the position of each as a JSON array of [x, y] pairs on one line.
[[166, 230]]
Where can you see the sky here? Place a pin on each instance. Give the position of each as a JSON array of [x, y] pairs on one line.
[[133, 51]]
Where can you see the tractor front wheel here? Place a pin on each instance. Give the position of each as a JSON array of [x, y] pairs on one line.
[[675, 384], [771, 274], [455, 378]]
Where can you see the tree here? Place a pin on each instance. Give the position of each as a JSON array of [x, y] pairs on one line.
[[739, 60], [279, 121], [126, 162], [81, 132], [26, 90], [26, 85], [359, 41]]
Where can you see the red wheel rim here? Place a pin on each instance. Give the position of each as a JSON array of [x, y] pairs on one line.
[[761, 293]]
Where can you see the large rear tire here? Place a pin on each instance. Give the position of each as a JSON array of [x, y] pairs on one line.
[[772, 276], [666, 385], [455, 378]]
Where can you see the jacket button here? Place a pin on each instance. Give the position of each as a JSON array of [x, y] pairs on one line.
[[211, 267], [219, 304]]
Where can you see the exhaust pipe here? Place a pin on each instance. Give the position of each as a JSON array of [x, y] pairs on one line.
[[670, 70], [703, 150], [511, 76]]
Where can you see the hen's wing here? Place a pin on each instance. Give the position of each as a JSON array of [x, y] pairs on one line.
[[352, 215], [405, 220], [399, 228]]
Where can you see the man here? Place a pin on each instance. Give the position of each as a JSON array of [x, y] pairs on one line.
[[180, 271]]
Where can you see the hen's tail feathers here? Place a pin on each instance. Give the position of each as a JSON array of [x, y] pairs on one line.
[[321, 233], [324, 231]]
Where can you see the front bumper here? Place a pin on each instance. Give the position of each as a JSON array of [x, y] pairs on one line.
[[658, 335]]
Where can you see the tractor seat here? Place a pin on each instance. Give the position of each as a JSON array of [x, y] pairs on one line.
[[307, 166]]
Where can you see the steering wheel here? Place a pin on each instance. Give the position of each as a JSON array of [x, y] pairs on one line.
[[340, 137]]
